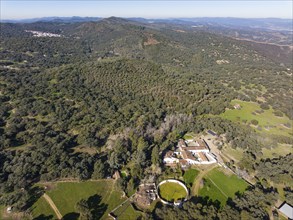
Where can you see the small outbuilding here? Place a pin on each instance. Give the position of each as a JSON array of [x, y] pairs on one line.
[[237, 106], [116, 175], [212, 133], [286, 210], [9, 209]]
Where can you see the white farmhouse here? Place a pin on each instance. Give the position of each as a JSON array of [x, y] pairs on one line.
[[189, 152]]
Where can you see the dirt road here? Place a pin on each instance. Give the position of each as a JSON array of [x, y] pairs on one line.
[[196, 184], [53, 206]]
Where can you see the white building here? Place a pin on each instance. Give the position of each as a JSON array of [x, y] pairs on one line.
[[286, 210], [189, 152]]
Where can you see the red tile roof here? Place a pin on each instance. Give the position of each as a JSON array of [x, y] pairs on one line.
[[183, 162], [196, 148], [187, 155], [202, 156]]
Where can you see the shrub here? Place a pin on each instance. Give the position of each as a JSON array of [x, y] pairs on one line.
[[265, 106], [254, 122], [278, 113]]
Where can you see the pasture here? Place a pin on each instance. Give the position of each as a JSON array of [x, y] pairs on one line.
[[220, 186], [126, 211], [65, 195], [42, 210], [268, 122], [189, 176], [279, 150]]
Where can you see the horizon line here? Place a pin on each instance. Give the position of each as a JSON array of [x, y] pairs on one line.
[[16, 19]]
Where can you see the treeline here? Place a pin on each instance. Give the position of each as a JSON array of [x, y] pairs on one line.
[[277, 170]]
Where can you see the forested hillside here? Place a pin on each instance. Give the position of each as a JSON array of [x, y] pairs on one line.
[[129, 90]]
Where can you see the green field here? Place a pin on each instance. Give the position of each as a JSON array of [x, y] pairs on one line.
[[42, 209], [212, 193], [188, 136], [189, 176], [65, 196], [172, 191], [219, 186], [126, 211], [268, 123]]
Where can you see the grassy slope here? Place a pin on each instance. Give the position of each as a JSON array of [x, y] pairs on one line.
[[265, 119], [226, 186], [127, 212], [190, 175], [1, 211], [66, 195], [211, 192], [236, 154], [280, 150], [172, 191], [42, 208]]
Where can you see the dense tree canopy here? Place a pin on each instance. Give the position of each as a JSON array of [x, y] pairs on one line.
[[129, 92]]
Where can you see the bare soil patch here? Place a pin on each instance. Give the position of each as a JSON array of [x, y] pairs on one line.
[[150, 41]]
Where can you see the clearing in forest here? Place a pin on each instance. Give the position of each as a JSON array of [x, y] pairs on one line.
[[267, 121], [101, 193]]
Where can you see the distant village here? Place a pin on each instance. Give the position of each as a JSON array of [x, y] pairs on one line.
[[43, 34]]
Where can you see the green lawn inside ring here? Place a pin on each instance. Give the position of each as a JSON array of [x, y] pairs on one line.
[[172, 191]]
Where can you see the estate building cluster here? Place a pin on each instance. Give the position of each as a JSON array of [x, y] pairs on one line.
[[189, 152]]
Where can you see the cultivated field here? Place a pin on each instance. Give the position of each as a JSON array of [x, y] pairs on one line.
[[219, 186], [172, 191]]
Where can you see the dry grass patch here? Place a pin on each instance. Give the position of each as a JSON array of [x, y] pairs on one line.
[[84, 149], [150, 41]]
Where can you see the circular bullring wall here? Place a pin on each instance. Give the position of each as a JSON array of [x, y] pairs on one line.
[[172, 192]]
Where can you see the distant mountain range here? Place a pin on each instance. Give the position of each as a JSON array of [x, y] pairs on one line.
[[271, 37], [52, 19], [262, 23]]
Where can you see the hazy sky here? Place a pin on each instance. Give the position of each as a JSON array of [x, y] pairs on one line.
[[11, 9]]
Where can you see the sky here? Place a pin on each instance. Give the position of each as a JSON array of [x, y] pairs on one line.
[[19, 9]]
